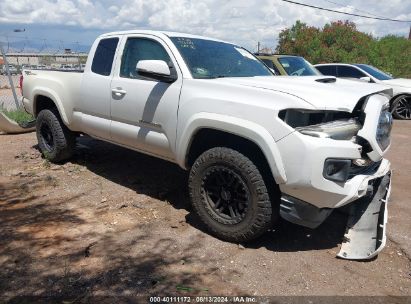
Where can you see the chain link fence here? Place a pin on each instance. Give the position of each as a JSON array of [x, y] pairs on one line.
[[19, 53], [10, 91]]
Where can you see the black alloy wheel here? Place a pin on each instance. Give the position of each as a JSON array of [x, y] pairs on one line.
[[401, 107], [226, 194], [230, 196]]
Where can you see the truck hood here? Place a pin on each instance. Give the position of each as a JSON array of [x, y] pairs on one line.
[[322, 92], [401, 82]]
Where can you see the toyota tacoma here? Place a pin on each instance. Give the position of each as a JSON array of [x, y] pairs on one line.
[[256, 146]]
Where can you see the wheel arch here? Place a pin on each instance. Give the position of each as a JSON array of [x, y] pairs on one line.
[[43, 99], [398, 95], [210, 130]]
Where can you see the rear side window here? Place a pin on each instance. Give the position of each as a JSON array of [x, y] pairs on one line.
[[349, 72], [104, 56], [328, 70], [137, 49], [277, 71], [268, 63], [271, 65]]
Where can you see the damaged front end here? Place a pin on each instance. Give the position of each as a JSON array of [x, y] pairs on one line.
[[343, 167], [365, 236]]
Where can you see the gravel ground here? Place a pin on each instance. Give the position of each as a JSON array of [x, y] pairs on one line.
[[114, 222]]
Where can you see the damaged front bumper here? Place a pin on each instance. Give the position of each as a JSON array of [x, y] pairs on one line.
[[325, 177], [365, 236]]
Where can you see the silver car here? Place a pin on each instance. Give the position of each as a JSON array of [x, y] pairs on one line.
[[12, 69]]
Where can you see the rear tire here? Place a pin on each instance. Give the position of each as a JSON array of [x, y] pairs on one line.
[[55, 140], [229, 195], [401, 107]]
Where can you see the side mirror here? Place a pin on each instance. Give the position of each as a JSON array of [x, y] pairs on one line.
[[155, 69], [366, 79]]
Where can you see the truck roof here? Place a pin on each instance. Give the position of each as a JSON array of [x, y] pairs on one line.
[[159, 33], [275, 55], [333, 63]]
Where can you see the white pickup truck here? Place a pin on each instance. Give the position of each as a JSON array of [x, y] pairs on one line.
[[257, 146]]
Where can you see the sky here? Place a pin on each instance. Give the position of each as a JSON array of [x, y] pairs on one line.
[[62, 22]]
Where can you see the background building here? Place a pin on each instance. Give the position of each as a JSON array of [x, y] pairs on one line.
[[47, 59]]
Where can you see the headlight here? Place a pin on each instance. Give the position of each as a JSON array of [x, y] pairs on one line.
[[322, 123], [339, 129], [384, 129]]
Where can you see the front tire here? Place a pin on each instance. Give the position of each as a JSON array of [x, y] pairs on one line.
[[56, 141], [401, 107], [229, 195]]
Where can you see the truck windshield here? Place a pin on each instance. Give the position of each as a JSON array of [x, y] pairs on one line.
[[380, 75], [298, 66], [214, 59]]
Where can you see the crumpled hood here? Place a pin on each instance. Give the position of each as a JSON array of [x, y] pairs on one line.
[[401, 82], [339, 95]]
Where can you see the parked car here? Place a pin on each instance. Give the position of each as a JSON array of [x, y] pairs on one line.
[[41, 67], [28, 67], [77, 67], [12, 69], [400, 103], [287, 65], [257, 146], [66, 67]]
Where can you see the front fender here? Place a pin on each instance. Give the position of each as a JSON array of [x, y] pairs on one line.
[[240, 127]]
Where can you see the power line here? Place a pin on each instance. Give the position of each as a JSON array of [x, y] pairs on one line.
[[350, 14], [355, 9]]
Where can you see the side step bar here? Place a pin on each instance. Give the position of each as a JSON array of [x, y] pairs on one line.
[[365, 236]]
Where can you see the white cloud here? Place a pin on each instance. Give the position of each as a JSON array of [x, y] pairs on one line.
[[113, 9], [242, 21]]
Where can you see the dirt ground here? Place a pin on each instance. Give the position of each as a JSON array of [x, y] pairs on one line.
[[113, 222]]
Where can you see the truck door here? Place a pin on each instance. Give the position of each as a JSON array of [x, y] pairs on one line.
[[94, 106], [144, 111]]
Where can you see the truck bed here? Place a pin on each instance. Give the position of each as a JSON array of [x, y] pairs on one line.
[[64, 86]]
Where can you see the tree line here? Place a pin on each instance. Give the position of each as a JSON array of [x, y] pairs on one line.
[[341, 41]]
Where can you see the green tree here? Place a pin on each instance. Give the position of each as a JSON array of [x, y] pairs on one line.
[[392, 54], [341, 41], [300, 39]]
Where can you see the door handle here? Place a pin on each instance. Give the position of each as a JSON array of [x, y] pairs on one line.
[[118, 92]]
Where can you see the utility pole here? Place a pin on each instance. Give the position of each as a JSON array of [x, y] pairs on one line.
[[409, 36], [258, 47]]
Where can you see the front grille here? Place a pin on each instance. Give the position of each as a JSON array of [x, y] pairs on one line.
[[365, 170]]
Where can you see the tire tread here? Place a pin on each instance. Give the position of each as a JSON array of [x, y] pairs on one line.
[[263, 219], [64, 139]]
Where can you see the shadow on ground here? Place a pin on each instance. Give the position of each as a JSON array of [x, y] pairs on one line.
[[166, 181], [43, 257], [50, 250], [139, 172]]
